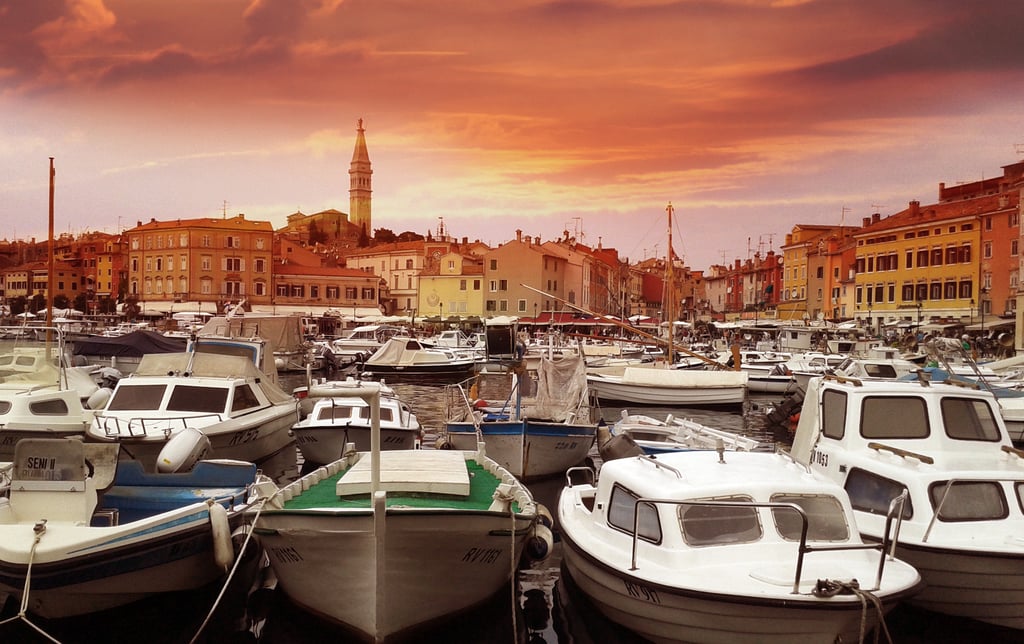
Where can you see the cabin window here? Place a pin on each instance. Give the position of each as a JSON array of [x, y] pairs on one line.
[[826, 520], [135, 397], [244, 398], [622, 509], [710, 525], [56, 407], [969, 419], [894, 417], [833, 414], [210, 400], [385, 414], [880, 370], [334, 413], [968, 500], [872, 493], [5, 406]]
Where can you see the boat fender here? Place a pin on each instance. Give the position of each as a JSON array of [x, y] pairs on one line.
[[480, 404], [544, 516], [540, 542], [444, 443], [223, 549], [99, 398], [182, 451]]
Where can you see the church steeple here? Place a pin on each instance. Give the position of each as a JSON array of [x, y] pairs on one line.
[[359, 184]]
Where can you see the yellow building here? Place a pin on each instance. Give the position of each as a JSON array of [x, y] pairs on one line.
[[173, 264], [919, 264], [452, 286]]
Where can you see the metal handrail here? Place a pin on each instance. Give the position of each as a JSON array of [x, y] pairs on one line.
[[657, 463], [579, 468], [945, 495], [803, 548], [106, 421]]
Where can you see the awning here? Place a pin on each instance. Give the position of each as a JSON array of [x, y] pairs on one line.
[[170, 306], [347, 312], [991, 324]]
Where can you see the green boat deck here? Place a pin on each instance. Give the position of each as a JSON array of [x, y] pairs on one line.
[[481, 491]]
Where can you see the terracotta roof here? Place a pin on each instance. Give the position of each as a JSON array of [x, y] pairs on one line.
[[298, 269], [935, 213], [234, 223]]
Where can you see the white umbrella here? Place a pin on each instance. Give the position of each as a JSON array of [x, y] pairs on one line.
[[26, 314]]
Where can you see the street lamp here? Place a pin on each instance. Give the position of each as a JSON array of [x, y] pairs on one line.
[[870, 323], [981, 306], [972, 312], [919, 305]]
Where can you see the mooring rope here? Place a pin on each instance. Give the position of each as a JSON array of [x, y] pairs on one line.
[[238, 559], [831, 588], [39, 529]]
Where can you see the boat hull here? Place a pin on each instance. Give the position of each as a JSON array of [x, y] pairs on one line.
[[84, 571], [326, 443], [672, 615], [612, 390], [529, 449]]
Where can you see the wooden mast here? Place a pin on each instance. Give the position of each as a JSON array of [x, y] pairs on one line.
[[51, 276], [670, 290]]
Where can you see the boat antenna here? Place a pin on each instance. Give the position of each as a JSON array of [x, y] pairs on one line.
[[670, 290]]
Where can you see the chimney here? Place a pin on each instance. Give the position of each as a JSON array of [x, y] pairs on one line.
[[915, 208], [865, 222], [536, 240], [876, 217], [789, 238], [152, 220], [138, 223], [465, 241], [519, 235]]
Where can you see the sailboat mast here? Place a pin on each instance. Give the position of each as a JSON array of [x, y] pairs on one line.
[[670, 290], [51, 277]]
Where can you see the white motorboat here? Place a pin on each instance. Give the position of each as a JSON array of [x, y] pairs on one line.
[[359, 343], [769, 378], [81, 532], [673, 434], [386, 542], [409, 356], [947, 447], [532, 436], [40, 395], [337, 420], [725, 547], [239, 408], [671, 387]]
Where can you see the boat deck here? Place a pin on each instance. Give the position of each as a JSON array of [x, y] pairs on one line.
[[324, 495]]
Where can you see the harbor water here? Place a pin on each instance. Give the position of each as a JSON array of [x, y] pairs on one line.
[[543, 606]]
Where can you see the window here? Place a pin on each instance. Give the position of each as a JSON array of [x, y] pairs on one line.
[[476, 285], [137, 397], [825, 518], [910, 259], [986, 250], [833, 414], [969, 419], [494, 264], [708, 525], [244, 398], [872, 493], [503, 285], [282, 290], [922, 258], [333, 292], [1013, 247], [968, 500], [314, 291], [259, 265], [201, 399], [183, 240], [622, 510], [54, 407], [259, 288], [491, 305], [206, 262], [297, 290], [204, 241], [936, 257], [894, 417], [494, 286], [408, 264], [351, 292], [231, 241], [503, 305], [462, 285], [949, 290], [369, 293], [521, 306], [233, 264]]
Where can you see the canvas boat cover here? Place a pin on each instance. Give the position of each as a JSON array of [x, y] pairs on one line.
[[562, 394], [135, 344]]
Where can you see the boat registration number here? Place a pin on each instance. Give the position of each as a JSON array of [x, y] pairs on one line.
[[819, 458], [245, 437], [639, 591]]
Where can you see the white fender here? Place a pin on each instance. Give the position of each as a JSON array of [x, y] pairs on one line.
[[99, 398], [182, 451], [544, 516], [540, 543], [223, 551]]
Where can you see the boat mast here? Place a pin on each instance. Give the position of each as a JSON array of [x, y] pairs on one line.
[[51, 276], [669, 290]]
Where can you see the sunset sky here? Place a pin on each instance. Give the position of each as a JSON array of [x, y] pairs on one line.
[[750, 116]]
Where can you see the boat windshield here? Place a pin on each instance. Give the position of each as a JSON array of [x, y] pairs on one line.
[[969, 419], [826, 520], [969, 500], [210, 400], [345, 412], [715, 525], [128, 397]]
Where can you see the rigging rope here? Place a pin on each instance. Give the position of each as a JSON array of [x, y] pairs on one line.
[[38, 529], [832, 587]]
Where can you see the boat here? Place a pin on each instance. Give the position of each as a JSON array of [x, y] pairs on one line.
[[123, 352], [946, 445], [769, 378], [42, 396], [359, 343], [671, 387], [408, 356], [653, 436], [337, 420], [716, 546], [533, 436], [81, 532], [387, 542], [284, 334], [214, 386]]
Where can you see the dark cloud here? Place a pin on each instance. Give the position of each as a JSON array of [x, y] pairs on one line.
[[984, 37], [164, 65], [274, 18], [20, 52]]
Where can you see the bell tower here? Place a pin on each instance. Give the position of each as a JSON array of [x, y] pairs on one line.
[[359, 184]]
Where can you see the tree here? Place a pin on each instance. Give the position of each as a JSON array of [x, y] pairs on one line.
[[408, 236], [384, 236], [61, 301]]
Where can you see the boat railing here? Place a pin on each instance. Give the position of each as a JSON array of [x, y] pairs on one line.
[[902, 453], [659, 464], [803, 549], [136, 426], [589, 471]]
